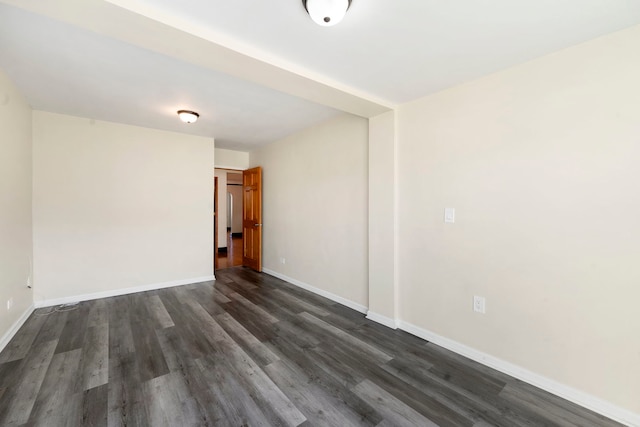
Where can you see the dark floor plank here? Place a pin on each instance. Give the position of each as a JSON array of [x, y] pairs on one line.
[[60, 384], [324, 376], [370, 351], [168, 402], [95, 356], [362, 368], [181, 362], [120, 334], [125, 399], [251, 349], [159, 313], [556, 411], [22, 342], [54, 323], [10, 374], [297, 304], [392, 409], [318, 405], [94, 406], [272, 401], [149, 357], [18, 401], [260, 353], [73, 334], [253, 308], [473, 407], [234, 400]]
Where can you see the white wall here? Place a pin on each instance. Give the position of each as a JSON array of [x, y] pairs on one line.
[[15, 204], [118, 206], [236, 220], [541, 163], [315, 206], [231, 159]]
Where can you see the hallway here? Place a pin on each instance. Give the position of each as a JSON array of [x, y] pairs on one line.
[[233, 256]]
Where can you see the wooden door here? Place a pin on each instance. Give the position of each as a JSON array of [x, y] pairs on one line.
[[215, 223], [252, 218]]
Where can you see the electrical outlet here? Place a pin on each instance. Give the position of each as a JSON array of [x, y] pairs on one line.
[[29, 282], [9, 303], [479, 304], [283, 260]]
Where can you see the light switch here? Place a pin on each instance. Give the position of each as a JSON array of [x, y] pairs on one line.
[[449, 215]]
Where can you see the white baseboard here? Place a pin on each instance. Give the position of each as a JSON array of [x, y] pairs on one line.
[[348, 303], [123, 291], [6, 338], [383, 320], [576, 396]]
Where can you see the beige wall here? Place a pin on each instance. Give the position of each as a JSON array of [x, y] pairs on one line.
[[541, 163], [231, 159], [117, 206], [315, 206], [15, 204], [382, 192]]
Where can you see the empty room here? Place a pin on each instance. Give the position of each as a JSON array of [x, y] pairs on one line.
[[319, 213]]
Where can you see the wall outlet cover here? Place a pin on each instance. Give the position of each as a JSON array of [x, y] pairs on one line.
[[479, 304], [449, 215]]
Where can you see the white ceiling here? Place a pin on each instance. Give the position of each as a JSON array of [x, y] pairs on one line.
[[68, 70], [400, 50], [259, 70]]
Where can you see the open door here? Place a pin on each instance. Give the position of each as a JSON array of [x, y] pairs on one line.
[[252, 218], [215, 223]]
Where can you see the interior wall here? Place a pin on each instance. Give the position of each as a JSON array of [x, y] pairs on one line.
[[382, 180], [229, 208], [236, 214], [118, 206], [231, 159], [315, 206], [15, 204], [541, 164]]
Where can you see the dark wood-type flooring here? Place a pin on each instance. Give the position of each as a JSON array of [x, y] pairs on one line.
[[250, 349]]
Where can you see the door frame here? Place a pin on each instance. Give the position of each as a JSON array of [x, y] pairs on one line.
[[217, 214]]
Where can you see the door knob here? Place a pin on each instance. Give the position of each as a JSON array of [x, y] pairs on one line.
[[257, 225]]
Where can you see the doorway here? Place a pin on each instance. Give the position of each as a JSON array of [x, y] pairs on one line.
[[229, 229], [238, 232]]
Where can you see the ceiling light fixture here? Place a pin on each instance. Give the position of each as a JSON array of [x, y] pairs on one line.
[[188, 116], [326, 12]]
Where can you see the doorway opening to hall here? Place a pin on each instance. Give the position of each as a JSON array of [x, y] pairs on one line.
[[229, 228]]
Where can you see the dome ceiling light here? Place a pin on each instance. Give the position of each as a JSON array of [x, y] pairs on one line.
[[326, 12], [188, 116]]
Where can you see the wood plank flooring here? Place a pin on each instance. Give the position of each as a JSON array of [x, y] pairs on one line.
[[233, 256], [250, 350]]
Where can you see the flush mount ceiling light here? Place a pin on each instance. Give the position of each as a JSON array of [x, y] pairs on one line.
[[188, 116], [326, 12]]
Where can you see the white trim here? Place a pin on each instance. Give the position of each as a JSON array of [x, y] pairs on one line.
[[576, 396], [233, 168], [122, 291], [383, 320], [353, 305], [6, 338]]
